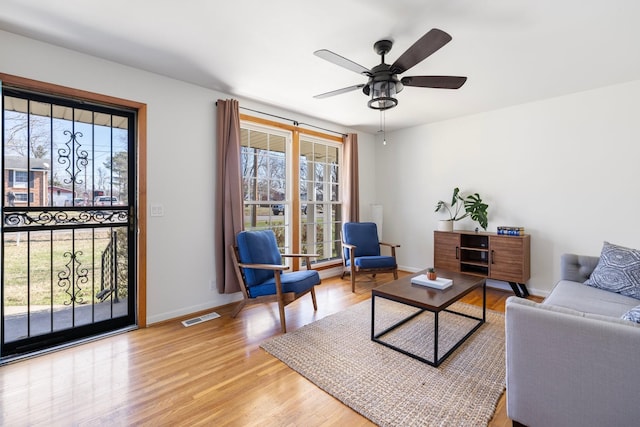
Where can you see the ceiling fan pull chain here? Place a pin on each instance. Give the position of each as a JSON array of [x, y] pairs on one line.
[[384, 127]]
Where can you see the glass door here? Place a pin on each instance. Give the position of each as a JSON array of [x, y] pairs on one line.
[[68, 221]]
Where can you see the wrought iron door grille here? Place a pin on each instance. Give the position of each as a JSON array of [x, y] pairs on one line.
[[34, 219], [68, 220]]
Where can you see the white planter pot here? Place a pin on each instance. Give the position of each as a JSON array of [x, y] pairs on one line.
[[445, 225]]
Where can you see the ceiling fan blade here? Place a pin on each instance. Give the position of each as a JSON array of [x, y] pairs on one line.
[[425, 46], [339, 91], [438, 82], [341, 61]]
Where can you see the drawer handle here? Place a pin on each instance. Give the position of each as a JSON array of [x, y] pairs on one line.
[[457, 252], [492, 255]]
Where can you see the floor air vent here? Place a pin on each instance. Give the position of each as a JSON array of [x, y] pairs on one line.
[[200, 319]]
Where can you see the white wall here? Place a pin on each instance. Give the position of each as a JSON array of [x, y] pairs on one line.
[[567, 169], [181, 134]]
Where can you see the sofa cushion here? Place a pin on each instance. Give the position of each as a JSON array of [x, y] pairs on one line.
[[618, 270], [587, 299], [633, 315]]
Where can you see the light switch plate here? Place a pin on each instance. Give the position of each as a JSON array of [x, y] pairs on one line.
[[157, 210]]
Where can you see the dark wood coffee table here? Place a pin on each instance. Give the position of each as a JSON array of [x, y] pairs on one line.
[[428, 299]]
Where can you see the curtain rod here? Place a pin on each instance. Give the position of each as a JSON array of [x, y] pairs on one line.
[[295, 122]]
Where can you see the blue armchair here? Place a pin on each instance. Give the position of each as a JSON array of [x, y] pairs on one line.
[[258, 265], [361, 252]]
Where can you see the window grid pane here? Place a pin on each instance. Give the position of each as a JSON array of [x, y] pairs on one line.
[[264, 178], [319, 175]]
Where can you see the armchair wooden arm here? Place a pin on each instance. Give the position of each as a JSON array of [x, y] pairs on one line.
[[307, 258], [389, 244], [351, 248], [393, 247], [277, 269], [264, 266]]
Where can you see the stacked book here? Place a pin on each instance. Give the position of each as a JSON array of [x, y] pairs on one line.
[[511, 231], [438, 283]]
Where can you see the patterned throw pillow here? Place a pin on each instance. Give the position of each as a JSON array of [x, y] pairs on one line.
[[632, 315], [618, 270]]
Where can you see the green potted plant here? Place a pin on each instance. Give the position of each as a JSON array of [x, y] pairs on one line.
[[431, 273], [464, 206]]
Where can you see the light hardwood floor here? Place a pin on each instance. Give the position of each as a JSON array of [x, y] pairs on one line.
[[213, 373]]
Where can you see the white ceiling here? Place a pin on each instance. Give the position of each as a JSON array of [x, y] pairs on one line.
[[512, 51]]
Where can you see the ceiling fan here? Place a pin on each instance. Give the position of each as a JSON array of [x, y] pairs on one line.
[[383, 81]]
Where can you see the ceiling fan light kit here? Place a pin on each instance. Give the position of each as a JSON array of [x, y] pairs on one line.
[[382, 93], [384, 84]]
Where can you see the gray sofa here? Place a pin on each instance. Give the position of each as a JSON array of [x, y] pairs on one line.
[[572, 360]]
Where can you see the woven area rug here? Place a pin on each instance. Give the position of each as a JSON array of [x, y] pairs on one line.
[[389, 388]]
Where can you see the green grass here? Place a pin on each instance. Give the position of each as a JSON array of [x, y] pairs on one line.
[[39, 269]]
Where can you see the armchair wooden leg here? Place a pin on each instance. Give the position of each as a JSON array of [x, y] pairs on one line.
[[313, 298], [353, 280], [283, 322], [238, 308], [395, 274]]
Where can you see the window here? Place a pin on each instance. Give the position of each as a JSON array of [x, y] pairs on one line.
[[320, 197], [291, 184], [263, 165], [20, 179], [22, 197]]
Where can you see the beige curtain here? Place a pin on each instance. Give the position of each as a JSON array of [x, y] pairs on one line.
[[351, 200], [228, 200]]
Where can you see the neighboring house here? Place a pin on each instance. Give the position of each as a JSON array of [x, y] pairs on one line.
[[61, 196], [24, 185]]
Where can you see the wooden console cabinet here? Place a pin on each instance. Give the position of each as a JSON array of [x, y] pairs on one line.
[[490, 255]]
